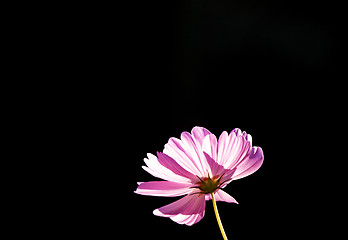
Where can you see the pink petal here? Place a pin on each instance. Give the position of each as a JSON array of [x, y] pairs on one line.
[[227, 177], [163, 188], [223, 147], [221, 195], [248, 137], [250, 164], [215, 168], [226, 146], [188, 219], [237, 131], [193, 151], [198, 134], [177, 150], [187, 152], [238, 147], [187, 210], [172, 165], [155, 168], [209, 146]]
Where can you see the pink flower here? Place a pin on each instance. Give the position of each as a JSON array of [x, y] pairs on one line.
[[198, 165]]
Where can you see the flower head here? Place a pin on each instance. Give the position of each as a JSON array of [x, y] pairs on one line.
[[198, 165]]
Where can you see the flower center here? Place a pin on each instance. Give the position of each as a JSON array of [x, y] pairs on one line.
[[208, 185]]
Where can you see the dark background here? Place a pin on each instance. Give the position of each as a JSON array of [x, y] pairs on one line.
[[270, 68]]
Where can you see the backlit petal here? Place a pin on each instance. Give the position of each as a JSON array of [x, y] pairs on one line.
[[155, 168], [214, 168], [250, 164], [187, 210], [198, 134], [163, 188], [177, 150], [173, 166], [221, 195], [209, 146], [238, 148], [193, 151]]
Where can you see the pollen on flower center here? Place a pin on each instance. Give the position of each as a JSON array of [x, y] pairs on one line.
[[208, 185]]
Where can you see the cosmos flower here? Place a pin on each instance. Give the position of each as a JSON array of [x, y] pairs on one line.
[[199, 166]]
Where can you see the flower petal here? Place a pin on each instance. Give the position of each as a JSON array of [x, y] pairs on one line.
[[199, 134], [187, 210], [187, 151], [221, 195], [163, 188], [155, 168], [209, 146], [223, 147], [238, 147], [193, 151], [173, 166], [250, 164], [182, 154], [214, 168]]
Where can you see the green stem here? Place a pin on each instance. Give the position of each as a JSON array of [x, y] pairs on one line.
[[218, 217]]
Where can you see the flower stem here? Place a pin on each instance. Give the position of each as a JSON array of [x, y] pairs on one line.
[[218, 217]]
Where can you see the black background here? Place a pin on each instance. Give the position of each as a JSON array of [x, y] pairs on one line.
[[270, 68]]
